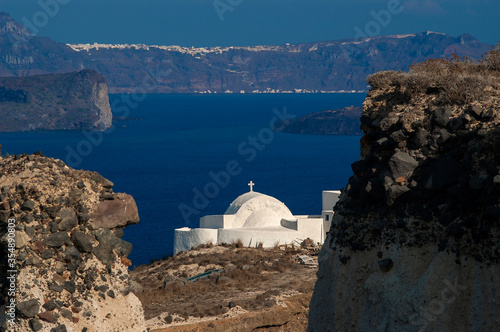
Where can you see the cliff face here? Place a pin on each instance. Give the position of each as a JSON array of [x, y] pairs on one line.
[[69, 259], [75, 101], [414, 244]]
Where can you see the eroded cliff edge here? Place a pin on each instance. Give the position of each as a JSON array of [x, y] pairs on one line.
[[73, 101], [62, 228], [414, 244]]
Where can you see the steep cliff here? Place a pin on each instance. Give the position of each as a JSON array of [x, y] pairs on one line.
[[61, 230], [77, 101], [414, 244]]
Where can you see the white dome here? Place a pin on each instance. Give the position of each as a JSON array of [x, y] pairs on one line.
[[256, 210]]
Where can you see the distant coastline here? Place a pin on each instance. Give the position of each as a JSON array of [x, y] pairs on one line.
[[283, 91], [344, 121], [278, 91], [332, 66]]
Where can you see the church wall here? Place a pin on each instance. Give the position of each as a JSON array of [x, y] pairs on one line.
[[311, 228], [290, 224], [250, 237], [326, 228], [216, 221], [330, 198], [187, 238]]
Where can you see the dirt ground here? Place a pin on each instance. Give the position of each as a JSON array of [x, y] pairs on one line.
[[251, 289]]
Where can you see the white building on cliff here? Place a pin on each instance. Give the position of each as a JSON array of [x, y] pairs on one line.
[[256, 218]]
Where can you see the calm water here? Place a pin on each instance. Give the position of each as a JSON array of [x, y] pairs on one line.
[[167, 156]]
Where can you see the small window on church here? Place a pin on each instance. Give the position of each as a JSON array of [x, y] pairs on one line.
[[327, 217]]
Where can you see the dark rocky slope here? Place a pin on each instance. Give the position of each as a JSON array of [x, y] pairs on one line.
[[77, 100], [70, 259], [414, 244], [343, 121]]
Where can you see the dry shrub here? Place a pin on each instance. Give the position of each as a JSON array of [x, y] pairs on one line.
[[307, 243], [283, 265], [492, 59], [456, 80], [237, 244], [384, 79], [464, 89]]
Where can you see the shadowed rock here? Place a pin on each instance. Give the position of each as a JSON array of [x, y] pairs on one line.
[[81, 241], [28, 308]]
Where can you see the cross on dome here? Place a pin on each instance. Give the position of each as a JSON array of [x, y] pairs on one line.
[[251, 184]]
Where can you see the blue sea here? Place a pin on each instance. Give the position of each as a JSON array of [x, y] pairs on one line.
[[183, 156]]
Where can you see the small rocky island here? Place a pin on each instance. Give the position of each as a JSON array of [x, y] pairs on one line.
[[343, 121], [72, 101]]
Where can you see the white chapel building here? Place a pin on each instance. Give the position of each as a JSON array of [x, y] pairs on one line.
[[256, 218]]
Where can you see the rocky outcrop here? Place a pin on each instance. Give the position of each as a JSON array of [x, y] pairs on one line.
[[119, 211], [343, 121], [70, 265], [414, 244], [74, 101]]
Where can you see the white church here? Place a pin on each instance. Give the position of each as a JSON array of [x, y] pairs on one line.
[[256, 218]]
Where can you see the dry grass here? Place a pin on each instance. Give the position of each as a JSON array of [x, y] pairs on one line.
[[456, 80], [251, 279], [237, 244]]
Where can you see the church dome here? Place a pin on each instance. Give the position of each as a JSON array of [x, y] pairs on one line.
[[256, 210]]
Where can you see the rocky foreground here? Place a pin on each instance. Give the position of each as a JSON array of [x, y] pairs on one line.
[[68, 257], [414, 244]]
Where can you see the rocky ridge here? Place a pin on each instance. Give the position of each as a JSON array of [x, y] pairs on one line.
[[414, 244], [70, 259]]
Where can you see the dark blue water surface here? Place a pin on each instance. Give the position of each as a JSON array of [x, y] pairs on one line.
[[167, 156]]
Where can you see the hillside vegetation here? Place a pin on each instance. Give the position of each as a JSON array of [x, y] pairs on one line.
[[455, 81]]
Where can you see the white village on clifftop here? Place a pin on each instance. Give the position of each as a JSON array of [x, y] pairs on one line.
[[256, 218]]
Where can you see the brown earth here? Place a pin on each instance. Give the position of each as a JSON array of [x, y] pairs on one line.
[[255, 289], [291, 318]]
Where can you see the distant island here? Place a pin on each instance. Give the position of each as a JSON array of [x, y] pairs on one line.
[[317, 67], [343, 121], [72, 101]]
